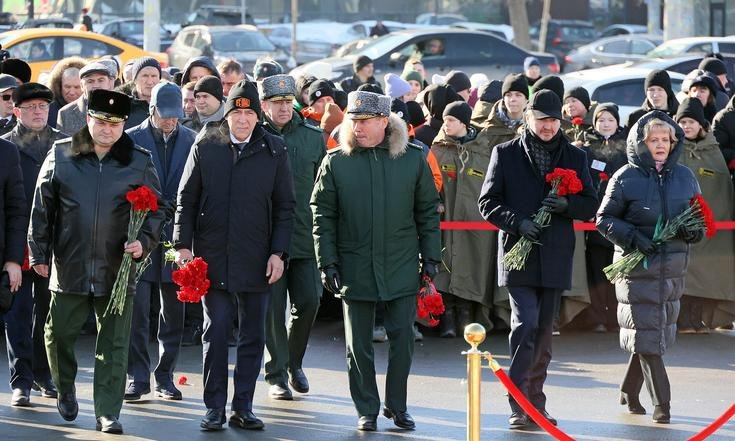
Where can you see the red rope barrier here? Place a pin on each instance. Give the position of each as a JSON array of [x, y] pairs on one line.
[[716, 424], [527, 406], [578, 226]]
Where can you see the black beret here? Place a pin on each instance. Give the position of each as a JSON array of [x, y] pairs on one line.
[[31, 91]]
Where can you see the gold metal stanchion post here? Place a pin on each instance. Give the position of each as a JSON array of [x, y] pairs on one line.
[[474, 334]]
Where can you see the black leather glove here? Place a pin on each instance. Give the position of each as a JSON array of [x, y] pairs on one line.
[[558, 204], [529, 229], [331, 280], [429, 268], [644, 244], [689, 236]]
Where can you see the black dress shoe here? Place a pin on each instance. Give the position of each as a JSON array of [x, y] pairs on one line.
[[246, 420], [280, 391], [136, 390], [46, 387], [213, 419], [551, 419], [21, 397], [519, 420], [109, 424], [299, 381], [368, 423], [67, 406], [662, 414], [634, 406], [168, 392], [400, 418]]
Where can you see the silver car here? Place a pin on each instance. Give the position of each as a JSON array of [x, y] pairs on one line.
[[610, 50]]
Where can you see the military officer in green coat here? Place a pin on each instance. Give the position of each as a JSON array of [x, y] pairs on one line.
[[375, 220], [285, 348]]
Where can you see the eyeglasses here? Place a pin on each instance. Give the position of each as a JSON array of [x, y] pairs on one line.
[[7, 97], [34, 107]]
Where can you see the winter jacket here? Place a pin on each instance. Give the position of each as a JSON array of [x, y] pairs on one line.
[[33, 148], [710, 274], [723, 128], [375, 214], [305, 153], [513, 191], [234, 209], [80, 215], [351, 84], [604, 157], [53, 110], [196, 122], [468, 270], [636, 197], [73, 116], [170, 176], [13, 207]]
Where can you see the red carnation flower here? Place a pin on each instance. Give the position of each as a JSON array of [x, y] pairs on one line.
[[193, 281], [604, 177], [577, 121], [429, 303], [705, 212], [142, 198]]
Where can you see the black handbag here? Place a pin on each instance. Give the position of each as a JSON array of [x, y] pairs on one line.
[[6, 297]]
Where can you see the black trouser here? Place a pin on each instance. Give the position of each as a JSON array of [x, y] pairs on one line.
[[649, 368], [603, 307], [532, 316], [251, 308]]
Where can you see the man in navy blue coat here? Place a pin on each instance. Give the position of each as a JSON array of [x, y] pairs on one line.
[[514, 189], [169, 143], [235, 210]]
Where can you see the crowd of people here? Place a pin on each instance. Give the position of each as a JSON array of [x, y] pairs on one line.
[[291, 187]]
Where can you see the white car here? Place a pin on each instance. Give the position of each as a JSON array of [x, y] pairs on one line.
[[618, 84], [701, 45]]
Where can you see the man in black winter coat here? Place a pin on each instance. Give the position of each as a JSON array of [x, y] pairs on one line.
[[514, 189], [235, 210], [25, 322]]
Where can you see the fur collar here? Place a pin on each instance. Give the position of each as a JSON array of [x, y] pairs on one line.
[[122, 150], [397, 137]]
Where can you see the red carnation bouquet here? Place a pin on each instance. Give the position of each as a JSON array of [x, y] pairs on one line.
[[193, 281], [142, 200], [563, 182], [697, 217], [429, 303]]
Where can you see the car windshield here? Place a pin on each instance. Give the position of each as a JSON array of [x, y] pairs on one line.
[[381, 45], [669, 48], [243, 41]]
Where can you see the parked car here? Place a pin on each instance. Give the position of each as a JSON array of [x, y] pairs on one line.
[[244, 43], [499, 30], [217, 15], [62, 43], [624, 87], [131, 30], [7, 21], [562, 36], [701, 45], [441, 50], [353, 47], [682, 64], [430, 18], [314, 40], [59, 22], [623, 29], [610, 50]]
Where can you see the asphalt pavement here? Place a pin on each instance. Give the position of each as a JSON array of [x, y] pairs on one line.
[[582, 390]]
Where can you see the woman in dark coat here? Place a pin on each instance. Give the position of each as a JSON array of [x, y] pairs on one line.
[[651, 186], [604, 144]]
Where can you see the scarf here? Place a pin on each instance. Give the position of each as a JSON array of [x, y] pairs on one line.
[[542, 152], [507, 120]]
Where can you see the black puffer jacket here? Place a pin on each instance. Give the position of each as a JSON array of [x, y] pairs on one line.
[[637, 195], [80, 216], [234, 210], [13, 211]]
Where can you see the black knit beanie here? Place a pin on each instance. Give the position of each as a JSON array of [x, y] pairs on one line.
[[399, 108], [492, 91], [142, 62], [658, 78], [713, 65], [552, 83], [360, 62], [612, 108], [211, 85], [243, 95], [460, 110], [415, 113], [458, 80], [579, 93], [691, 108], [515, 83]]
